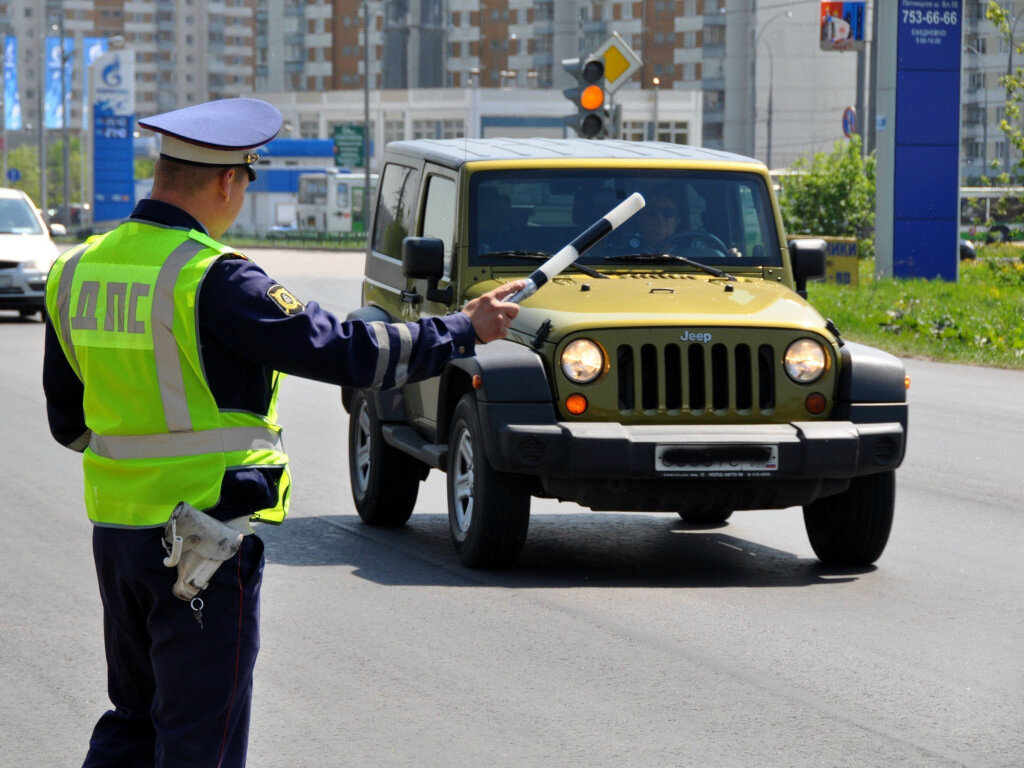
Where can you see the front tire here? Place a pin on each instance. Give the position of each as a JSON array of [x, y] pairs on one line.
[[852, 528], [488, 510], [385, 481]]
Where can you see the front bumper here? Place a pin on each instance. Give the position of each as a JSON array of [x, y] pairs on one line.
[[524, 439], [22, 289]]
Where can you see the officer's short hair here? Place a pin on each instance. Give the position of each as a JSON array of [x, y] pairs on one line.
[[185, 177]]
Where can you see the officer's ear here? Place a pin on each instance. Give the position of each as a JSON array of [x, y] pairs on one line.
[[226, 181]]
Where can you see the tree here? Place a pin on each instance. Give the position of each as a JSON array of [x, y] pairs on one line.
[[26, 159], [832, 194], [1012, 82]]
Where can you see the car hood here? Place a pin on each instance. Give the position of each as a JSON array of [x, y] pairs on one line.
[[636, 300], [27, 248]]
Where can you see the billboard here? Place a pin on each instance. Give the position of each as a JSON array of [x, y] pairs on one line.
[[112, 84], [92, 49], [12, 104], [843, 26]]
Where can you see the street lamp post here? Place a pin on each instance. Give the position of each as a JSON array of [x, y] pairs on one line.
[[755, 35], [366, 118], [66, 148], [655, 81], [984, 120]]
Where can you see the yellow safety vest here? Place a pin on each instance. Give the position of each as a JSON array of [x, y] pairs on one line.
[[124, 308]]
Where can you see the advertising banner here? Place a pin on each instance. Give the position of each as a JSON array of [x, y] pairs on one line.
[[54, 95], [843, 26], [12, 103], [92, 49], [112, 82]]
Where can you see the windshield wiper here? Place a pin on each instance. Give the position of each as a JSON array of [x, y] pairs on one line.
[[628, 258], [541, 256]]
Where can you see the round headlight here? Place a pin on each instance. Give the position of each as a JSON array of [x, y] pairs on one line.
[[582, 361], [805, 361]]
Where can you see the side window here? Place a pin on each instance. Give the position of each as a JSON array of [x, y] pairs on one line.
[[439, 215], [753, 218], [343, 196], [394, 209]]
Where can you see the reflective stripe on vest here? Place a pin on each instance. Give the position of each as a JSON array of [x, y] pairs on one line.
[[165, 348], [185, 443]]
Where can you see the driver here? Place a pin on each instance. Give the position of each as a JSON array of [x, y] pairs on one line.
[[657, 220]]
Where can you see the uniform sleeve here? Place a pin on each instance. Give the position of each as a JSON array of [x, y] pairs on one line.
[[64, 392], [258, 318]]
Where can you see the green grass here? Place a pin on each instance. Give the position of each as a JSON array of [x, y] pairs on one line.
[[976, 321]]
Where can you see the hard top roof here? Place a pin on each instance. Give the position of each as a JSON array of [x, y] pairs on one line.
[[455, 152]]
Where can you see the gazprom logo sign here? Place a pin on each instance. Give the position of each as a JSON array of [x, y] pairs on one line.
[[111, 74]]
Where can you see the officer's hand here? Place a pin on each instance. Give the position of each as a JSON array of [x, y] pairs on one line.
[[490, 315]]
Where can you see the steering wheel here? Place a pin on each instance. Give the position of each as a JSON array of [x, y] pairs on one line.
[[689, 238]]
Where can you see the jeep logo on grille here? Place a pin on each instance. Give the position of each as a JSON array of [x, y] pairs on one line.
[[703, 338]]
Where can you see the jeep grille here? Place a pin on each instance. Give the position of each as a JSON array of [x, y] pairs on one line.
[[695, 378]]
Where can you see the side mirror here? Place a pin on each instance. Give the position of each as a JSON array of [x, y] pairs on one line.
[[58, 230], [423, 259], [808, 259]]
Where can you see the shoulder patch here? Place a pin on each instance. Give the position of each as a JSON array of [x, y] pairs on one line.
[[285, 299]]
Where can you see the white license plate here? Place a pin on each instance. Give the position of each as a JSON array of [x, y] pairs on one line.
[[716, 460], [6, 281]]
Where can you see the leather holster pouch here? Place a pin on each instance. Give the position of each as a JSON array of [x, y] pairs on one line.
[[197, 544]]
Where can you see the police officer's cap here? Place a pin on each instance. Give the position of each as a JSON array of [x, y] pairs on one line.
[[217, 133]]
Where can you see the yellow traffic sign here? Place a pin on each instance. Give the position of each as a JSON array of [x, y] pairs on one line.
[[620, 62]]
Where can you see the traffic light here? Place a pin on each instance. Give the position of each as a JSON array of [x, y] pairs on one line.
[[592, 119]]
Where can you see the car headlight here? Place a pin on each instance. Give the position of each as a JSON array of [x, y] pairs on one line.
[[38, 265], [582, 361], [805, 361]]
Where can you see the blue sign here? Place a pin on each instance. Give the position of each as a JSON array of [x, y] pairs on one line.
[[927, 164], [113, 77], [59, 60], [13, 174], [12, 103], [849, 122]]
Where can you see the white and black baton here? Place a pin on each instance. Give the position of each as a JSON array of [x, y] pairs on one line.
[[589, 237]]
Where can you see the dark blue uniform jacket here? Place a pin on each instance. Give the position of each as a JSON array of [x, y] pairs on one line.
[[244, 336]]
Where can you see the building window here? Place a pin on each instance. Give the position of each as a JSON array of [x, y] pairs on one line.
[[424, 129], [394, 130], [453, 129]]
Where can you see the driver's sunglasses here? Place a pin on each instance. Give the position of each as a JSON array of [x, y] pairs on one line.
[[663, 212]]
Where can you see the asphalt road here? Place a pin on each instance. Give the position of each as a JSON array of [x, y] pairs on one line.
[[619, 640]]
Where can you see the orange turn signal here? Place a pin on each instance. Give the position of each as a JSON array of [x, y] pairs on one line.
[[815, 403], [906, 382], [477, 381], [576, 404]]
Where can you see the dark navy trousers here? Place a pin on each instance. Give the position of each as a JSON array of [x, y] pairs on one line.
[[181, 693]]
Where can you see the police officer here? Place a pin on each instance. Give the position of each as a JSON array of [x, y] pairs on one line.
[[163, 354]]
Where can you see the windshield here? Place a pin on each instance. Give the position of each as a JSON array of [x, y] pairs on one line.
[[722, 219], [17, 218]]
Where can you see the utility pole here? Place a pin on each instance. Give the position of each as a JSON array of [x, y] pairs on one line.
[[64, 118], [41, 119], [366, 117]]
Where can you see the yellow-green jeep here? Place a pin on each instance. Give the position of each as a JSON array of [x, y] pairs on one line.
[[675, 367]]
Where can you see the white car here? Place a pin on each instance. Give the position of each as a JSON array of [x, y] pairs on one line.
[[26, 254]]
